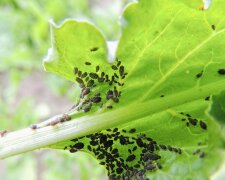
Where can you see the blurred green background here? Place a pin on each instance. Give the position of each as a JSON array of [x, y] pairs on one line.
[[29, 95]]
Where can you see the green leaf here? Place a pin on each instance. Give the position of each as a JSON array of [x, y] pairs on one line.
[[217, 109], [168, 56]]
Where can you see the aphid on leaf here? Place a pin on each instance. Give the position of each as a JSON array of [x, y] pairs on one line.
[[199, 74], [221, 71], [75, 70], [97, 68], [202, 155], [79, 73], [87, 107], [93, 75], [78, 145], [94, 49], [193, 121], [114, 67], [130, 158], [207, 98], [79, 80], [87, 63], [203, 125], [85, 91], [213, 27], [90, 83], [133, 130], [109, 94], [96, 99], [121, 70], [84, 75]]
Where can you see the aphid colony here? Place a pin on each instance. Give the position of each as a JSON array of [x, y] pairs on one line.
[[193, 121], [87, 81], [137, 154]]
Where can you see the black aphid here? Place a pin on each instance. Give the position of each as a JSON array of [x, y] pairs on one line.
[[94, 49], [221, 71], [93, 75], [75, 70], [90, 83], [207, 98], [159, 166], [162, 95], [84, 75], [78, 145], [150, 166], [85, 91], [119, 170], [102, 163], [108, 143], [87, 63], [213, 27], [73, 150], [118, 63], [79, 80], [199, 74], [115, 99], [133, 130], [96, 99], [169, 148], [109, 94], [203, 125], [131, 158], [33, 126], [121, 70], [114, 67], [162, 146], [97, 68], [202, 155], [89, 148], [115, 129], [79, 73], [100, 80], [115, 75], [193, 121], [101, 156], [187, 124], [87, 107], [153, 156], [114, 151]]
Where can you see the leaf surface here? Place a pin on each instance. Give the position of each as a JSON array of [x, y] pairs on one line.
[[166, 50]]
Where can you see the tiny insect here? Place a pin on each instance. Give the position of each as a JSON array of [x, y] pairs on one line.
[[34, 126], [54, 122], [94, 49], [87, 63], [3, 133], [221, 71]]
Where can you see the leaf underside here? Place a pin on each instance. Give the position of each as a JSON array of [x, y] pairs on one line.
[[165, 49]]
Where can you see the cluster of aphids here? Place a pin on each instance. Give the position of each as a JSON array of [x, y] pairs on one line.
[[193, 121], [137, 153], [87, 81]]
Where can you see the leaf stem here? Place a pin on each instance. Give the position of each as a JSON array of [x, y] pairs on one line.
[[27, 139]]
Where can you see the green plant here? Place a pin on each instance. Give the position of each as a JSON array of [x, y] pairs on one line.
[[145, 114]]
